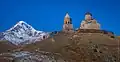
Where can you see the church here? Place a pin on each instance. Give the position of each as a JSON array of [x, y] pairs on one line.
[[87, 23]]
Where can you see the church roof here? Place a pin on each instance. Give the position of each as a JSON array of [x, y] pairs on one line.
[[88, 13], [67, 15]]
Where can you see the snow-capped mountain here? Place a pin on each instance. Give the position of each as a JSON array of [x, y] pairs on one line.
[[23, 33]]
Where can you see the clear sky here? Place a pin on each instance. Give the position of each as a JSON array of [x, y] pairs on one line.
[[48, 15]]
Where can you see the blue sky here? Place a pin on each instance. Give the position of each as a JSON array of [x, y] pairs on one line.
[[48, 15]]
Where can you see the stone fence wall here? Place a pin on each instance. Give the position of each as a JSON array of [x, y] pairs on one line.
[[111, 34]]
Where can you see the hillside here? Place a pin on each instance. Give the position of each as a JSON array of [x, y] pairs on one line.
[[65, 47], [6, 46], [80, 47]]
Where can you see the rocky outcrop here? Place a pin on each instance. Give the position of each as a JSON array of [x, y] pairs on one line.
[[25, 56]]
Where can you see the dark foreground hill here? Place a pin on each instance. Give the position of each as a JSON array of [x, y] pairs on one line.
[[72, 47]]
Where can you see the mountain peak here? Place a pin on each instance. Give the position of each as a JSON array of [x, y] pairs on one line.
[[22, 33], [21, 24]]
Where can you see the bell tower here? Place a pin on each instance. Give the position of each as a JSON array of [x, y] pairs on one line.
[[67, 26], [67, 19]]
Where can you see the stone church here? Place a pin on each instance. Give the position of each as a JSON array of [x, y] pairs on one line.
[[88, 25]]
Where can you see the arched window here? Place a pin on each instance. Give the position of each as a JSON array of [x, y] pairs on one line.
[[68, 22]]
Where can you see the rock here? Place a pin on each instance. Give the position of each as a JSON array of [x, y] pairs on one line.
[[74, 36], [25, 56], [53, 40]]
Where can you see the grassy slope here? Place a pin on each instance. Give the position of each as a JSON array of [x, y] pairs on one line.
[[81, 48], [62, 39], [5, 46]]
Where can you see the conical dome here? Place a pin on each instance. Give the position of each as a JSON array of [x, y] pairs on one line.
[[67, 15]]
